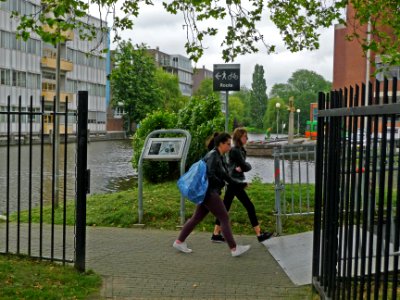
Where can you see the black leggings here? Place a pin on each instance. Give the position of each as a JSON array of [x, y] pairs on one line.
[[212, 203], [240, 193]]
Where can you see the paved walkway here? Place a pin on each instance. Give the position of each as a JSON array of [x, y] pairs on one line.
[[141, 264]]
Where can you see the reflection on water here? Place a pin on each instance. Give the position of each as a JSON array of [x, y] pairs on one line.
[[109, 162]]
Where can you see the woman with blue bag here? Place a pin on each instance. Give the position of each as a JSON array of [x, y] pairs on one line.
[[217, 175], [238, 166]]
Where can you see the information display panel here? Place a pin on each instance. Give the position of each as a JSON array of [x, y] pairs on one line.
[[164, 148]]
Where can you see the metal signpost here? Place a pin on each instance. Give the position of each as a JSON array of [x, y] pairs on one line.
[[226, 77], [163, 149]]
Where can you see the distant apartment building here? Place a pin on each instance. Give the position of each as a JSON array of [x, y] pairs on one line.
[[178, 65], [199, 75], [28, 70]]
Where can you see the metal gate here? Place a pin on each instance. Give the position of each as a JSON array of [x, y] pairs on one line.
[[34, 182], [294, 173], [357, 199]]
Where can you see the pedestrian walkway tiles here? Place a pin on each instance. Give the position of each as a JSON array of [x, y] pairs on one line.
[[294, 255]]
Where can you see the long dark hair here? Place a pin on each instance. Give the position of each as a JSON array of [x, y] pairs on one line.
[[217, 139], [210, 141]]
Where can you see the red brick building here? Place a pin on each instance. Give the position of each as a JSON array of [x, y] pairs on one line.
[[349, 61]]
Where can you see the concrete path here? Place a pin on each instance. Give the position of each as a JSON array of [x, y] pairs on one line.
[[141, 264]]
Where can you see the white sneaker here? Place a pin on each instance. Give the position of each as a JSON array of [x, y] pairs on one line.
[[240, 249], [181, 247]]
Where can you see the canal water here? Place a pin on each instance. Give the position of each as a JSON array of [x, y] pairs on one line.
[[109, 162]]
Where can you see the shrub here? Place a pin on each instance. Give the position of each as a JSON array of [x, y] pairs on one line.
[[154, 171], [202, 117]]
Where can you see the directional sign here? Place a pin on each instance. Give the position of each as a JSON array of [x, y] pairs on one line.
[[226, 77]]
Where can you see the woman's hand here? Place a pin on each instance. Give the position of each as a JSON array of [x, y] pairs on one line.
[[238, 169]]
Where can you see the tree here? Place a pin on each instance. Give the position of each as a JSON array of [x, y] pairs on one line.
[[244, 96], [206, 88], [272, 115], [297, 20], [258, 97], [170, 93], [303, 86], [236, 112], [133, 81]]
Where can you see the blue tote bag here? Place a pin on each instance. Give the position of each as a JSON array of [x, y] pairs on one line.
[[193, 184]]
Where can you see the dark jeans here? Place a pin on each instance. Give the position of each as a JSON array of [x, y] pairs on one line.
[[212, 203], [240, 193]]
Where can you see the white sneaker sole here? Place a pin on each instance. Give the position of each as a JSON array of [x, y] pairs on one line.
[[180, 248]]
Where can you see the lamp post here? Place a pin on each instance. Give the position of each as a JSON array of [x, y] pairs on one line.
[[277, 106], [298, 121]]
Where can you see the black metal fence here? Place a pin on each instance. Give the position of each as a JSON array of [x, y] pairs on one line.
[[29, 211], [357, 205]]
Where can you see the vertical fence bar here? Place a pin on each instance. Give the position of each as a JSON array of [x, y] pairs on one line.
[[347, 196], [388, 198], [325, 194], [81, 181], [351, 212], [65, 178], [54, 188], [397, 214], [41, 180], [278, 189], [373, 195], [19, 175], [357, 187], [318, 191], [343, 185], [30, 177], [366, 186], [381, 200], [8, 174]]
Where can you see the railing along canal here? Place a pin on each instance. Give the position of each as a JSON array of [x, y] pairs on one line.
[[293, 176]]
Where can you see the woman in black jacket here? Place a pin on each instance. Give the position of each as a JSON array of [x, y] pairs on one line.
[[217, 174], [237, 167]]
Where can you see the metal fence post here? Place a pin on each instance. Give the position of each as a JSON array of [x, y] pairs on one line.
[[278, 188], [82, 180]]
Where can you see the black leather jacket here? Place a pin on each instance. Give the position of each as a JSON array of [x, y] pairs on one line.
[[237, 158], [217, 172]]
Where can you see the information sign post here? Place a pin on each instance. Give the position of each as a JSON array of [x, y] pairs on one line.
[[163, 149], [226, 77]]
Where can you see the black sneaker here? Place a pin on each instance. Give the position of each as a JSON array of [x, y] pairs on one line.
[[264, 236], [217, 238]]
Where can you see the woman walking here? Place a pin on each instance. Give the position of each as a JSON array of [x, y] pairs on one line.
[[217, 174], [237, 166]]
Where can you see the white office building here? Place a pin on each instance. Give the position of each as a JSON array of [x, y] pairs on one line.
[[28, 71]]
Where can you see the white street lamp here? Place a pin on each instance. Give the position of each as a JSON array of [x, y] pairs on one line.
[[277, 106], [298, 121]]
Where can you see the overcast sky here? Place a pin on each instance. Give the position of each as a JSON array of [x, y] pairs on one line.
[[157, 28]]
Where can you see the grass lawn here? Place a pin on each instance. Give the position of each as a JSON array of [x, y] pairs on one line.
[[161, 208], [24, 278]]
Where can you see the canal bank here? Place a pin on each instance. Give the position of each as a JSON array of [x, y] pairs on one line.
[[266, 148]]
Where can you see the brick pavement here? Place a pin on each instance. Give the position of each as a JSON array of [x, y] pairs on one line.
[[141, 264]]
